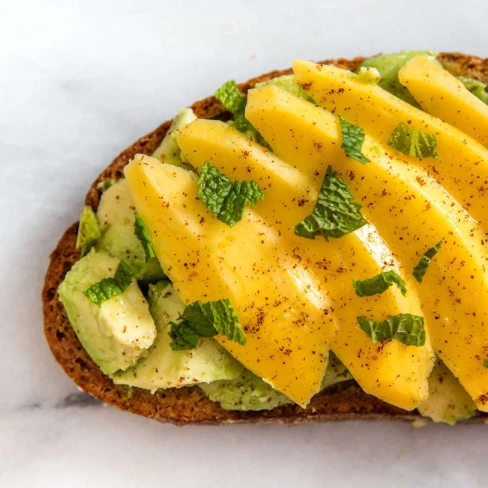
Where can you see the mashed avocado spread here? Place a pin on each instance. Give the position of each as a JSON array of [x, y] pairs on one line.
[[389, 65]]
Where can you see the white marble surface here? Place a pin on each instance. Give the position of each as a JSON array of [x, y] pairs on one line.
[[78, 82]]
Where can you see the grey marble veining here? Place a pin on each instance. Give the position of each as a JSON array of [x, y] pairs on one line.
[[73, 400], [79, 81]]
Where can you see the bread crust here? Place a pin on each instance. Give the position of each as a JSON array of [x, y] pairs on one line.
[[345, 401]]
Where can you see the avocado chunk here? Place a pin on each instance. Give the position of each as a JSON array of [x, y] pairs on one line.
[[121, 329], [88, 230], [476, 87], [336, 372], [247, 392], [250, 392], [168, 151], [288, 83], [164, 368], [116, 218], [448, 401], [388, 65]]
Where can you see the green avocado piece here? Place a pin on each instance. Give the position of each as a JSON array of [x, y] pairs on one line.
[[448, 401], [388, 65], [168, 151], [288, 83], [88, 230], [164, 368], [247, 392], [476, 87], [116, 217], [250, 392], [336, 372], [117, 332]]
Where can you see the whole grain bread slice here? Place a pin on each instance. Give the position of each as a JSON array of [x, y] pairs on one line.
[[189, 405]]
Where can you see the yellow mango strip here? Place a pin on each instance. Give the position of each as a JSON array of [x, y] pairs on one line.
[[391, 371], [281, 310], [411, 213], [441, 94], [462, 168]]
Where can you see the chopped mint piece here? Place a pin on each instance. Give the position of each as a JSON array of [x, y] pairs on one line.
[[413, 142], [88, 230], [109, 287], [141, 232], [352, 141], [224, 198], [231, 98], [288, 83], [407, 328], [242, 124], [476, 87], [485, 363], [235, 102], [421, 268], [185, 337], [123, 276], [206, 320], [379, 284], [335, 214]]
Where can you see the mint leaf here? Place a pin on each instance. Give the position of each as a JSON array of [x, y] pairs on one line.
[[235, 102], [231, 98], [224, 198], [352, 141], [103, 290], [183, 337], [476, 87], [421, 268], [109, 287], [213, 187], [88, 230], [413, 142], [335, 214], [485, 363], [244, 126], [206, 320], [407, 328], [241, 193], [378, 284], [141, 232], [123, 276]]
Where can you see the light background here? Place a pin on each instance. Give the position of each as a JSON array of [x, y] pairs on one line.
[[79, 81]]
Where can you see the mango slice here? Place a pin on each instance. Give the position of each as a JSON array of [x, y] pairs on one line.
[[462, 167], [441, 94], [411, 213], [391, 371], [282, 309]]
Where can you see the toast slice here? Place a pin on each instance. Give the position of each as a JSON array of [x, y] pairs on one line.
[[189, 405]]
